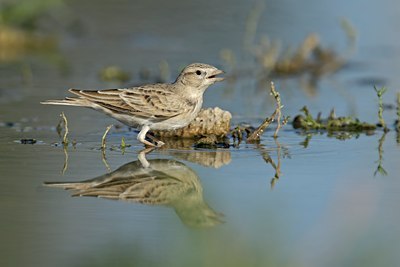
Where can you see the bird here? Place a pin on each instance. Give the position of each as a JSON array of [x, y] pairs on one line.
[[161, 106]]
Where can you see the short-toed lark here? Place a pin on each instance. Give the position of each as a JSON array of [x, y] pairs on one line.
[[152, 106]]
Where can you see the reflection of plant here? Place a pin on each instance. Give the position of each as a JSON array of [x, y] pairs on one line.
[[379, 168], [306, 141], [281, 152], [398, 119]]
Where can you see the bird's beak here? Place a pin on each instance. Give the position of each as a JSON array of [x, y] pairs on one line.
[[213, 75]]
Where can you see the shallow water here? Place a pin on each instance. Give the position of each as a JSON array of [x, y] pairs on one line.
[[328, 208]]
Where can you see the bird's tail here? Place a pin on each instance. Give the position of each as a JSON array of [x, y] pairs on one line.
[[65, 185], [68, 101]]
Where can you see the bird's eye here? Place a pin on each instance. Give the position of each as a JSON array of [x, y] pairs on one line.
[[198, 72]]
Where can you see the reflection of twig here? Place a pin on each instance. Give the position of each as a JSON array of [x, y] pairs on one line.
[[380, 168], [398, 119], [103, 139], [104, 159], [63, 123], [103, 147], [276, 166], [398, 110], [65, 167], [306, 141]]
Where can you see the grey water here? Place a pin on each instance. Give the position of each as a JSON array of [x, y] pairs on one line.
[[335, 202]]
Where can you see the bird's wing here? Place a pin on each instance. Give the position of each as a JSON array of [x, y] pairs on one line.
[[146, 102]]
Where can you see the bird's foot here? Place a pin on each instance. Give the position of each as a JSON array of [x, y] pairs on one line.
[[159, 143], [156, 142]]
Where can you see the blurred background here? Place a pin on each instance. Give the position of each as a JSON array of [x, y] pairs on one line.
[[302, 199]]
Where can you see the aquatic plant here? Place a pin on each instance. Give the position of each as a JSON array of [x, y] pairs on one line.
[[379, 93], [330, 124]]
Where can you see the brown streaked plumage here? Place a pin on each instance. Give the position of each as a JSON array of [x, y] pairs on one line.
[[152, 106]]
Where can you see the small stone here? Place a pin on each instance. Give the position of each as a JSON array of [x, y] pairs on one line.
[[28, 141]]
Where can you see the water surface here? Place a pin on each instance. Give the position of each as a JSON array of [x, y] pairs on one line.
[[328, 208]]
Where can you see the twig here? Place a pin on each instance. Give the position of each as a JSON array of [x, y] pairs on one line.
[[65, 137], [103, 139], [255, 136], [279, 106], [103, 147]]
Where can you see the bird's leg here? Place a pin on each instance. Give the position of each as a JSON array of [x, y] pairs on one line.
[[155, 140], [142, 137]]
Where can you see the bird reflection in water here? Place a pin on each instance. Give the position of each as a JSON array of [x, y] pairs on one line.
[[154, 182]]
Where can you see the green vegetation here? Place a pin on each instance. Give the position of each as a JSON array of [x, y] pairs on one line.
[[343, 127], [114, 74], [331, 124], [379, 93], [26, 14], [25, 28]]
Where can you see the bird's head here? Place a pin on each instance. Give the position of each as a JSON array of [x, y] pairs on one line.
[[199, 76]]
